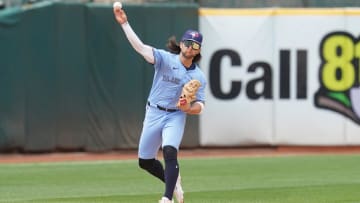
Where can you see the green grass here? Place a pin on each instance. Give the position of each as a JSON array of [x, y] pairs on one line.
[[288, 179]]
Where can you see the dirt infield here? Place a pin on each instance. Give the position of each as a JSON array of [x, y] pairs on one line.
[[184, 153]]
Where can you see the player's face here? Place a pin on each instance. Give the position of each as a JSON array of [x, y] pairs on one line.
[[189, 49], [192, 44]]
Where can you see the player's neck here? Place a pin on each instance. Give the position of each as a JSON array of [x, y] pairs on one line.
[[185, 61]]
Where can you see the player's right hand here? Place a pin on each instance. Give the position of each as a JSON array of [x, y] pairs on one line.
[[120, 15]]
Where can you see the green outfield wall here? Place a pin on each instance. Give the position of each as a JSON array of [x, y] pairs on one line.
[[70, 81]]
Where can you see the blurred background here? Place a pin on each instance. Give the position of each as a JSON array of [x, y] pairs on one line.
[[69, 80], [212, 3]]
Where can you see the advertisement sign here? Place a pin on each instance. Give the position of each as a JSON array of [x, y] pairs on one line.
[[281, 77]]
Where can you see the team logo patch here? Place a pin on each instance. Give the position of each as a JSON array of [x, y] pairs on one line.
[[194, 34]]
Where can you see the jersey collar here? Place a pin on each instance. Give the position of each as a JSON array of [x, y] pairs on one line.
[[192, 67]]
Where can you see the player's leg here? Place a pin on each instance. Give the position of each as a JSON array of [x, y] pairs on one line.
[[149, 144], [154, 167], [172, 136], [171, 170]]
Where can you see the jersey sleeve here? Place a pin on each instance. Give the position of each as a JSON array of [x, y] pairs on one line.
[[159, 56], [200, 95]]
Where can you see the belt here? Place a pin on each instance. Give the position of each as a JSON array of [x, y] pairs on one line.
[[162, 108]]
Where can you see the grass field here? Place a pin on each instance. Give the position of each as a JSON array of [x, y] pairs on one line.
[[285, 179]]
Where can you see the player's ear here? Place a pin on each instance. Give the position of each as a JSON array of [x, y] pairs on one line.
[[181, 44]]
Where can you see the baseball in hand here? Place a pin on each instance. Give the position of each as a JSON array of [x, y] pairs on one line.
[[117, 5]]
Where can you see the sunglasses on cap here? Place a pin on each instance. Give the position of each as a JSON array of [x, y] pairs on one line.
[[192, 44]]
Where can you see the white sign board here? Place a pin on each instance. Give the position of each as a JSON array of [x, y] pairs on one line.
[[281, 77]]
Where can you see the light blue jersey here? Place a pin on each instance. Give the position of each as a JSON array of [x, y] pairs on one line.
[[169, 78], [162, 127]]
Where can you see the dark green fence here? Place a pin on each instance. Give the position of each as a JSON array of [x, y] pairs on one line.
[[69, 80]]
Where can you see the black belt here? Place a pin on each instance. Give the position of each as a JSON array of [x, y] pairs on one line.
[[163, 109]]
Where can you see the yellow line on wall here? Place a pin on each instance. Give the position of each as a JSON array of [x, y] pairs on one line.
[[278, 11]]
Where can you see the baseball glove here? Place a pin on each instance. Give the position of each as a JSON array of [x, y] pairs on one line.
[[188, 93]]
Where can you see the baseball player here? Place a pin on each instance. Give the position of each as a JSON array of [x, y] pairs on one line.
[[164, 121]]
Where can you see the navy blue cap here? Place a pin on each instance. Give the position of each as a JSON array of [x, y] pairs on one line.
[[192, 35]]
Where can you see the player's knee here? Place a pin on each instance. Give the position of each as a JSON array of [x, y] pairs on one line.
[[146, 164], [169, 153]]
